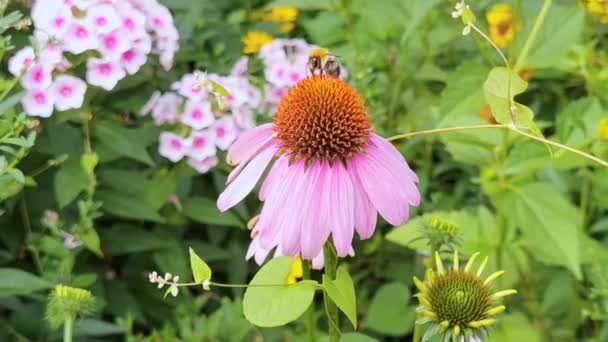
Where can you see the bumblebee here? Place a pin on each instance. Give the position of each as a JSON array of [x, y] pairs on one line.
[[322, 62]]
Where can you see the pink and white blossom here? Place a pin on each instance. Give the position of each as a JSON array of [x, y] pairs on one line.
[[150, 104], [103, 18], [197, 114], [104, 73], [167, 108], [201, 145], [204, 165], [80, 38], [173, 146], [225, 132], [38, 102], [38, 76], [113, 44], [69, 92], [133, 60], [21, 61], [53, 17]]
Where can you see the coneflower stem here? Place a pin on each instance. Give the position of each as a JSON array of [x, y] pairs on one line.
[[310, 313], [331, 310], [68, 327]]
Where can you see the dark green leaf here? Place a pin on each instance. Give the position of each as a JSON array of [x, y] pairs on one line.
[[17, 282]]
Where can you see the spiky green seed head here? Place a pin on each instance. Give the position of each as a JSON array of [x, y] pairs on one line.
[[459, 302], [65, 302]]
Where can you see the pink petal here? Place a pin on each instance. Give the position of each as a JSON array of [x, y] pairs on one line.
[[365, 213], [242, 185], [400, 167], [342, 202], [386, 182], [249, 143], [237, 170], [274, 206], [290, 218], [315, 228], [274, 176]]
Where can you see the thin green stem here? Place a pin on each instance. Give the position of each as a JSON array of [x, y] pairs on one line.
[[331, 310], [68, 329], [510, 127], [562, 146], [310, 313], [532, 37], [485, 36], [585, 192], [442, 130]]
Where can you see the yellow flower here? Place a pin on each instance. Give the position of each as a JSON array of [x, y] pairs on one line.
[[284, 15], [502, 24], [602, 128], [254, 40], [295, 272], [281, 14], [598, 8]]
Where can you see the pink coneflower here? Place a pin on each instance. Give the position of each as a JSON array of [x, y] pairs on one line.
[[332, 173]]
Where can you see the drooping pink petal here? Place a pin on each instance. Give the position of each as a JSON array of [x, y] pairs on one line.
[[342, 203], [365, 213], [314, 231], [385, 188], [249, 143], [274, 205], [242, 185], [290, 222], [398, 166], [274, 176]]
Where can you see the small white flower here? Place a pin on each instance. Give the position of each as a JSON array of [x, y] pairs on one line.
[[207, 284], [161, 282], [459, 9], [175, 279], [167, 276], [152, 277], [174, 290], [466, 30]]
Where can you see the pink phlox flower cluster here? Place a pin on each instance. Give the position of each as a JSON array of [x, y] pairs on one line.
[[123, 33], [211, 121]]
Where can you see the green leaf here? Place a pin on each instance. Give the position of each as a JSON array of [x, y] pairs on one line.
[[544, 214], [200, 269], [515, 327], [11, 101], [127, 206], [90, 238], [218, 88], [69, 181], [273, 306], [561, 30], [389, 311], [576, 123], [342, 292], [460, 102], [204, 210], [120, 140], [499, 95], [17, 282], [126, 239]]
